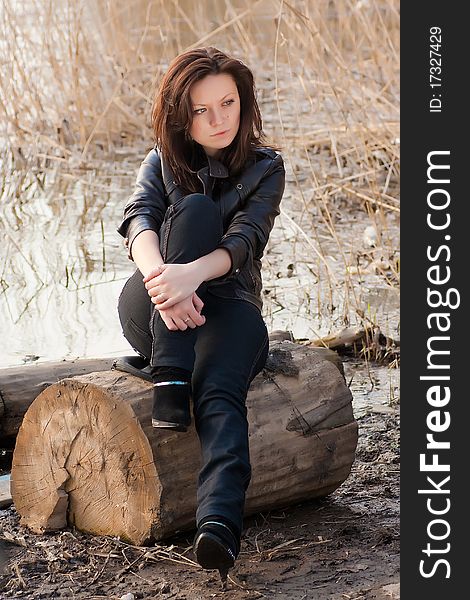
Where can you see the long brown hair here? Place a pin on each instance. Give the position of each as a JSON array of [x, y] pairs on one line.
[[172, 115]]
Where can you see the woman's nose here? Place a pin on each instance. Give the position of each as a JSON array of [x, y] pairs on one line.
[[216, 118]]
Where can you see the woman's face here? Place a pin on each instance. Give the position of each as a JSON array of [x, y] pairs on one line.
[[216, 109]]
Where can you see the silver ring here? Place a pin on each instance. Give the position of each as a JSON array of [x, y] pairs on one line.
[[186, 320]]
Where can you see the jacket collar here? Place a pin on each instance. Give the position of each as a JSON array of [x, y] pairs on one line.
[[216, 168], [210, 166]]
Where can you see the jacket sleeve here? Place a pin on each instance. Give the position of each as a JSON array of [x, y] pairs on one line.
[[248, 232], [146, 207]]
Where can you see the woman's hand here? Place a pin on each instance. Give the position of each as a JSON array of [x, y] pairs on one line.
[[169, 284], [184, 314]]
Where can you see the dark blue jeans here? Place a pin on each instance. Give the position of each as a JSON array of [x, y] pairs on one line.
[[224, 355]]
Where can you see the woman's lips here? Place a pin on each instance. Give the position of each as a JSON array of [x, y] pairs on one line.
[[221, 133]]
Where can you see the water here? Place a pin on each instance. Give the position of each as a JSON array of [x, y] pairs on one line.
[[63, 265]]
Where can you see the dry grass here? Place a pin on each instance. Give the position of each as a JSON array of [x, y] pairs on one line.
[[75, 92], [81, 73]]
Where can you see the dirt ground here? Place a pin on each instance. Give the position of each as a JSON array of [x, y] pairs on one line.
[[343, 547]]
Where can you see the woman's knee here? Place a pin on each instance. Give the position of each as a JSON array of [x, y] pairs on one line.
[[192, 229], [193, 205], [203, 199]]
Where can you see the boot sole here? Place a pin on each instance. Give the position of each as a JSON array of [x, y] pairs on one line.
[[125, 364], [211, 553]]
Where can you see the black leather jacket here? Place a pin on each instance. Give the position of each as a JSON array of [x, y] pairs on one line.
[[248, 207]]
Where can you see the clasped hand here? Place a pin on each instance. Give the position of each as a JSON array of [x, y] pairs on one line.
[[172, 290]]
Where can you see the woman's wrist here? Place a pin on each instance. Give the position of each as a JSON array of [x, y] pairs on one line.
[[212, 265], [196, 272], [146, 251]]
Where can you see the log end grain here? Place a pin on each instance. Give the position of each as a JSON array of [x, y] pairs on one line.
[[81, 457]]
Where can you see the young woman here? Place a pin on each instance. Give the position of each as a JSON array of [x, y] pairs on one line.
[[196, 226]]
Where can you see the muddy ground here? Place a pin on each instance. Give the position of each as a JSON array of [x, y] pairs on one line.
[[343, 547]]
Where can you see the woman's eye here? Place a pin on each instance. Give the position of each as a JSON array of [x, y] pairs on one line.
[[196, 112]]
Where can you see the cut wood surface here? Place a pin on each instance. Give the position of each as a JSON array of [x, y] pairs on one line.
[[86, 454]]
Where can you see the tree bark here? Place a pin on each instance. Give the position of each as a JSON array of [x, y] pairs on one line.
[[86, 454]]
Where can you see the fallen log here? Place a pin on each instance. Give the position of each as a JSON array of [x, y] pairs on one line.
[[369, 340], [86, 454], [19, 386]]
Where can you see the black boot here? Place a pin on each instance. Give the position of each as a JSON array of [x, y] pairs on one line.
[[171, 398], [216, 545]]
